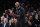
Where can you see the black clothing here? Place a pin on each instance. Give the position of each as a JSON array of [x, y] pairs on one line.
[[12, 25], [26, 24], [7, 25]]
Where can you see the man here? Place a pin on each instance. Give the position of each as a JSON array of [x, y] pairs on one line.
[[19, 12], [5, 23], [7, 15], [2, 19], [34, 14]]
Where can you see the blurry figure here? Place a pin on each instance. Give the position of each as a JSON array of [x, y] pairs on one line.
[[5, 20], [30, 18], [11, 13], [31, 21], [37, 10], [14, 24], [7, 15], [19, 13], [2, 19], [3, 14], [36, 17], [23, 5], [12, 20], [27, 23], [34, 14], [6, 11], [5, 23]]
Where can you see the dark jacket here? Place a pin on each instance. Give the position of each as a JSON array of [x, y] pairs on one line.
[[26, 24], [13, 25], [7, 25]]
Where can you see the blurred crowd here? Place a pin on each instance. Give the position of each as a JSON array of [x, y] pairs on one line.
[[23, 14]]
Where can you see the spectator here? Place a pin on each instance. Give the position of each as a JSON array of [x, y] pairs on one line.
[[27, 23], [7, 14], [16, 23], [2, 19], [5, 23], [11, 24]]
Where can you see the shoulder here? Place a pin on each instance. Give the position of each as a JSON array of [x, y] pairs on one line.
[[22, 8]]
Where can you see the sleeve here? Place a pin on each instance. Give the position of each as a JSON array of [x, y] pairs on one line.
[[22, 13]]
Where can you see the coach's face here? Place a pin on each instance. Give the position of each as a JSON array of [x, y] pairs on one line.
[[16, 4]]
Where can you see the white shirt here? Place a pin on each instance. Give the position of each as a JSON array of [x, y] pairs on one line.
[[4, 24]]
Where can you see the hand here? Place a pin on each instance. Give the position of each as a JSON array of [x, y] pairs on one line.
[[29, 23], [9, 22], [10, 10]]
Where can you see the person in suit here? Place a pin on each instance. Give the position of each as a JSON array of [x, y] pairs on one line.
[[2, 20], [5, 23], [7, 15], [34, 14]]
